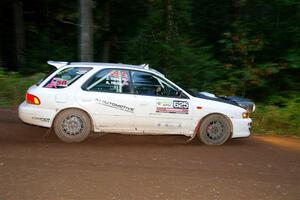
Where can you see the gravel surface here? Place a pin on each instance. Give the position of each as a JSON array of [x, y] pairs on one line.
[[117, 166]]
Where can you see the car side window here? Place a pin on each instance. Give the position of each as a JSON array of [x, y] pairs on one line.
[[66, 77], [147, 84], [109, 80]]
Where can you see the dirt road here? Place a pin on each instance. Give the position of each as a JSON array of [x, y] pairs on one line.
[[141, 167]]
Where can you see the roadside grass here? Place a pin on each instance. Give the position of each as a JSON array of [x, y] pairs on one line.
[[13, 87], [278, 116]]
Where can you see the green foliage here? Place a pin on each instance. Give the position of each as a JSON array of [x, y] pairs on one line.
[[50, 34], [281, 115], [167, 46], [14, 87]]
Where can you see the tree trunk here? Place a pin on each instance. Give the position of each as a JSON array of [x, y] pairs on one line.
[[19, 33], [169, 31], [107, 34], [86, 44], [170, 27]]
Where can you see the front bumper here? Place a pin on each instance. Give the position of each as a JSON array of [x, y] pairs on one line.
[[35, 115], [241, 127]]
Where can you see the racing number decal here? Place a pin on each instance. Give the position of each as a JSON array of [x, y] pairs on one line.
[[181, 104], [169, 106]]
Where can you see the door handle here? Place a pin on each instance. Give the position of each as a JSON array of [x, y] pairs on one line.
[[144, 104]]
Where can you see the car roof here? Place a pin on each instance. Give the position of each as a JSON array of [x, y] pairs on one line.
[[59, 64]]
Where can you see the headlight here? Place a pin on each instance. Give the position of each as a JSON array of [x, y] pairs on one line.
[[245, 115]]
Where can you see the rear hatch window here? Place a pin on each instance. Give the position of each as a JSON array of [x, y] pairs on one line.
[[51, 71], [66, 77]]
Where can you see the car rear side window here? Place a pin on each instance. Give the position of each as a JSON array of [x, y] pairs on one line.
[[109, 80], [66, 77]]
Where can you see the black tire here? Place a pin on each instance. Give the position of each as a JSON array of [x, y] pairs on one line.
[[72, 126], [215, 130]]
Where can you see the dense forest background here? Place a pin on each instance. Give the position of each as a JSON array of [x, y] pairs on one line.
[[249, 48]]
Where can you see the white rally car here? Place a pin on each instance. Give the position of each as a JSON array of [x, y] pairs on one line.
[[77, 98]]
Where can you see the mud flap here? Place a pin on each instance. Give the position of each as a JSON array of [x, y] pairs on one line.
[[194, 135], [48, 132]]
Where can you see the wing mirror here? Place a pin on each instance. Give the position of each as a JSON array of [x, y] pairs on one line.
[[179, 93]]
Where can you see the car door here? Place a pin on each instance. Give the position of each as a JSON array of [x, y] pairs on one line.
[[107, 96], [159, 106]]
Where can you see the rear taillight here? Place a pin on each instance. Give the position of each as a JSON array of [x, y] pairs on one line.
[[31, 99]]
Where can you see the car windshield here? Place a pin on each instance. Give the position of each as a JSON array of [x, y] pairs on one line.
[[189, 91]]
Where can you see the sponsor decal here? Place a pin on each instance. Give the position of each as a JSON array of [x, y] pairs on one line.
[[57, 82], [169, 106], [115, 77], [115, 105], [117, 74], [41, 119]]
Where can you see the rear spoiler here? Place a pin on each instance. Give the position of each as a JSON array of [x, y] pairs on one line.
[[57, 64]]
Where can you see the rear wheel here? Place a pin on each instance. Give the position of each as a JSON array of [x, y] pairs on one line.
[[214, 130], [72, 126]]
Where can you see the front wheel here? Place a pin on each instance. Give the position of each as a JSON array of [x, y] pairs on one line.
[[72, 126], [215, 130]]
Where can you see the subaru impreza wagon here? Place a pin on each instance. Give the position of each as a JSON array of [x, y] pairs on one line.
[[77, 98]]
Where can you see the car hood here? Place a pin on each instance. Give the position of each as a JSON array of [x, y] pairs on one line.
[[233, 100]]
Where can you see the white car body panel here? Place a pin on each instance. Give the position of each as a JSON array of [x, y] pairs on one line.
[[126, 113], [149, 121], [103, 108]]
